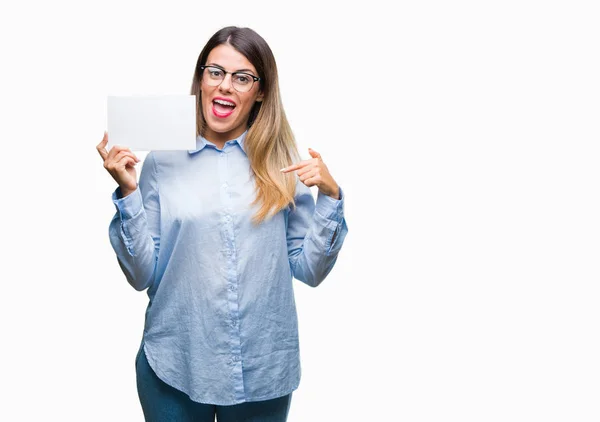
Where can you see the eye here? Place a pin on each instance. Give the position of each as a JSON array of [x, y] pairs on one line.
[[242, 78], [215, 72]]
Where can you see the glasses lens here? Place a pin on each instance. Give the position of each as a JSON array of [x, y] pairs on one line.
[[213, 75], [242, 82]]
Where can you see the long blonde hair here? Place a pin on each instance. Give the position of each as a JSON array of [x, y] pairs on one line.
[[269, 143]]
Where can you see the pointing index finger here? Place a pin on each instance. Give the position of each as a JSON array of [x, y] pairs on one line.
[[295, 166], [290, 168]]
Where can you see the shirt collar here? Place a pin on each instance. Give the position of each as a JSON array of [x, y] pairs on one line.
[[201, 142]]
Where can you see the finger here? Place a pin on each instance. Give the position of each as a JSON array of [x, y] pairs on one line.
[[119, 163], [101, 147], [125, 153], [112, 162], [306, 169], [131, 163], [296, 166], [308, 175], [291, 168], [313, 153], [124, 162], [116, 149], [315, 164], [313, 181]]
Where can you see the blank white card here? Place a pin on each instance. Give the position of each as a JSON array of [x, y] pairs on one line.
[[152, 122]]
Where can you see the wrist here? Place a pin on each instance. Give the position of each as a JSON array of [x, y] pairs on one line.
[[333, 193]]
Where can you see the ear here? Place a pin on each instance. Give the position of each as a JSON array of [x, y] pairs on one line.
[[260, 97]]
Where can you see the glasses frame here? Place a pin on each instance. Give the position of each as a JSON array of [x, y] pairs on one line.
[[254, 78]]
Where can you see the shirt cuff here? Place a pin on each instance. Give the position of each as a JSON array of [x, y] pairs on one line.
[[129, 206], [329, 207]]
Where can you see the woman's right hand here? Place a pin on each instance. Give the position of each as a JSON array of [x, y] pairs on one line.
[[120, 163]]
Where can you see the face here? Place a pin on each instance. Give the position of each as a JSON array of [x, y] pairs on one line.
[[230, 120]]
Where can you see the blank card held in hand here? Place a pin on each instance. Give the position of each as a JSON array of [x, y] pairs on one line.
[[152, 122]]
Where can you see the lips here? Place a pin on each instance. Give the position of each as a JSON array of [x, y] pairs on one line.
[[222, 107]]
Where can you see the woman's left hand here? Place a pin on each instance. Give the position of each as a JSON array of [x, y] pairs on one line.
[[314, 172]]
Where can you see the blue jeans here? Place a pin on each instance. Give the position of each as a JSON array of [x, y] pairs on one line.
[[163, 403]]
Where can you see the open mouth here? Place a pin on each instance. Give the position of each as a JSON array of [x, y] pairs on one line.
[[222, 107]]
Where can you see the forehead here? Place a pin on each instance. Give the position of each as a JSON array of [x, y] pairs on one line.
[[229, 58]]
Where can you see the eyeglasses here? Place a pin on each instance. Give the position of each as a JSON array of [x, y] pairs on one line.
[[242, 82]]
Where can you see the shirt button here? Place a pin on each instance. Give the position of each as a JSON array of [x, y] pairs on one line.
[[228, 219]]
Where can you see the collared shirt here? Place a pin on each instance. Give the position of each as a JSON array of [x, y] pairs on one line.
[[221, 321]]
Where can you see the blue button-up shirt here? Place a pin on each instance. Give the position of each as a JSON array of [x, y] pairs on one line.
[[221, 321]]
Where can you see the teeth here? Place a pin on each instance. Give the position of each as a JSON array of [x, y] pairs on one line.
[[227, 103]]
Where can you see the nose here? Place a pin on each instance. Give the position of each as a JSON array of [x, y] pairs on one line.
[[226, 84]]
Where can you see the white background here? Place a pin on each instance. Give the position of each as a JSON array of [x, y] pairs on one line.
[[465, 135]]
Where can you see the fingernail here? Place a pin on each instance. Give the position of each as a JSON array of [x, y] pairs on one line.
[[283, 169]]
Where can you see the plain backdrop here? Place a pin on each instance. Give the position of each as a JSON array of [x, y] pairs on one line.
[[465, 135]]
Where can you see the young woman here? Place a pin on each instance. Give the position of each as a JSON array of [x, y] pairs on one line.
[[216, 234]]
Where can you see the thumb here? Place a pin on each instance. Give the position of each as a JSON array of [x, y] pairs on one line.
[[313, 153]]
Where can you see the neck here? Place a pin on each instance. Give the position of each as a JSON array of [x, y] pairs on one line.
[[219, 138]]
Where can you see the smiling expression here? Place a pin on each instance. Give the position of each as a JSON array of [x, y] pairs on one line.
[[225, 110]]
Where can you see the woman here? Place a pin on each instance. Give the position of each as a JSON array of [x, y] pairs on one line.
[[216, 234]]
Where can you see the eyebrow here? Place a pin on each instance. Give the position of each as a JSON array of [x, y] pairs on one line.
[[239, 70]]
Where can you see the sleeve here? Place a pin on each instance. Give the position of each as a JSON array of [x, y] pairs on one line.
[[135, 228], [315, 235]]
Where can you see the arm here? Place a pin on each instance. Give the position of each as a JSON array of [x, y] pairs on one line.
[[135, 228], [315, 235]]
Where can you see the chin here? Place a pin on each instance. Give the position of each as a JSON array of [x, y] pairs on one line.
[[221, 128]]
